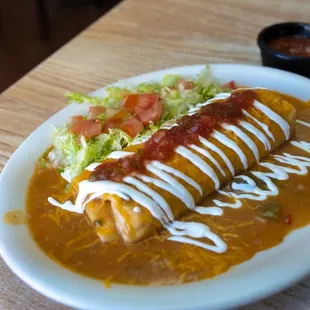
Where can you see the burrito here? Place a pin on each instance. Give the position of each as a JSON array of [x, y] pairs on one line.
[[150, 185]]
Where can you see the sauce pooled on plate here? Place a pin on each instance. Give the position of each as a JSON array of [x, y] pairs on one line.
[[259, 224]]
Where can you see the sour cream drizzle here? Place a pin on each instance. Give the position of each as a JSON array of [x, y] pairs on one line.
[[217, 150], [209, 156], [215, 211], [137, 209], [68, 205], [154, 195], [245, 138], [179, 189], [124, 191], [257, 133], [302, 144], [232, 145], [303, 123], [195, 230], [178, 174], [136, 188], [254, 192], [199, 163], [173, 190], [261, 124], [114, 155], [274, 117], [194, 109]]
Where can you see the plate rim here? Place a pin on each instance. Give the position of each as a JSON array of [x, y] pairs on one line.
[[4, 249]]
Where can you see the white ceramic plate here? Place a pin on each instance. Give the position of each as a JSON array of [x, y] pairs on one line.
[[267, 273]]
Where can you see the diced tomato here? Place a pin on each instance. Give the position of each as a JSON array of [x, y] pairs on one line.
[[110, 124], [109, 113], [122, 115], [185, 84], [148, 109], [94, 111], [145, 102], [150, 115], [86, 128], [132, 126], [230, 84], [131, 101], [76, 118]]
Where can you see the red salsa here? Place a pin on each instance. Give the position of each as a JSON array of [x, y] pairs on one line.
[[291, 46], [162, 144]]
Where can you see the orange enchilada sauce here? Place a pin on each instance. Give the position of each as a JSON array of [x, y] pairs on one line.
[[70, 238]]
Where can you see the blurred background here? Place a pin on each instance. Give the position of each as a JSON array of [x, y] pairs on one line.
[[31, 30]]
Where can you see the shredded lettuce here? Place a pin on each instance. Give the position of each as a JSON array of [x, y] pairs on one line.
[[149, 88], [207, 87], [101, 116], [175, 101], [146, 133], [178, 101], [80, 98], [71, 155], [170, 80], [114, 96]]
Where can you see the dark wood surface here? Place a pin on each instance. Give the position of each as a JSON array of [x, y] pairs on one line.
[[31, 30]]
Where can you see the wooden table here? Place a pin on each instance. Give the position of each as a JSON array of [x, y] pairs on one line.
[[135, 37]]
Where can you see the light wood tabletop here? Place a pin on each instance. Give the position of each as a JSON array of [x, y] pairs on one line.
[[136, 37]]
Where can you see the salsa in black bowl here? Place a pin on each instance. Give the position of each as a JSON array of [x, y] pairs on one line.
[[286, 46]]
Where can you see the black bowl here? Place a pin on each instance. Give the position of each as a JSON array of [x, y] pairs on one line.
[[271, 58]]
